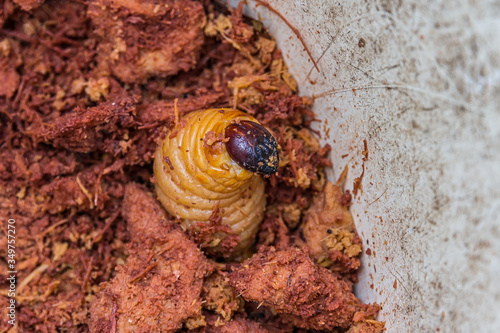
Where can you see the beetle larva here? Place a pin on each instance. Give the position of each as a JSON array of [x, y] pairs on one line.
[[212, 160]]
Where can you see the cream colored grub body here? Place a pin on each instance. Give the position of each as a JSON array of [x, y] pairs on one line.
[[200, 176]]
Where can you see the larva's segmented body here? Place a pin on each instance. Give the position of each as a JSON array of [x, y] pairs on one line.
[[195, 173]]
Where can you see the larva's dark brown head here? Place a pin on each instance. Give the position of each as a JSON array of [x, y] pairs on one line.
[[252, 147]]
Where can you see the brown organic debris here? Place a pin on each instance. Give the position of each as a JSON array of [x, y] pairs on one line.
[[89, 88]]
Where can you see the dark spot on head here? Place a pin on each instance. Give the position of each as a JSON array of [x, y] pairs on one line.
[[252, 147]]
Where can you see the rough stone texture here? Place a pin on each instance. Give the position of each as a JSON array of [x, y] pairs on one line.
[[421, 83]]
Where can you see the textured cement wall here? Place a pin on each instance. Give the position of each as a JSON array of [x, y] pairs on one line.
[[420, 82]]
